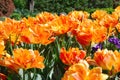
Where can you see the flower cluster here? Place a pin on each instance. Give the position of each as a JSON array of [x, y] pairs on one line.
[[92, 45], [100, 39], [21, 59]]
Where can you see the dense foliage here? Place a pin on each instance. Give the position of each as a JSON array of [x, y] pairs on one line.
[[66, 6], [61, 6]]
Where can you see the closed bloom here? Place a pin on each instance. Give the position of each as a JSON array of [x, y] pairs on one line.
[[72, 56], [105, 58]]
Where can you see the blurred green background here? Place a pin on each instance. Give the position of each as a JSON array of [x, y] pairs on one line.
[[59, 6]]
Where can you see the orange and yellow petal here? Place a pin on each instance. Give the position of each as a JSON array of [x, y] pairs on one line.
[[105, 58], [28, 58], [96, 74], [72, 56], [77, 71]]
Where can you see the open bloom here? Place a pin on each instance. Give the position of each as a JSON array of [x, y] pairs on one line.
[[105, 58], [63, 24], [72, 56], [109, 21], [117, 62], [108, 60], [11, 29], [25, 59], [77, 71], [116, 13], [81, 71], [37, 34], [79, 15], [96, 74], [3, 55], [45, 17], [90, 31], [98, 14]]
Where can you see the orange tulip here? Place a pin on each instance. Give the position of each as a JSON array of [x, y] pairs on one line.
[[37, 34], [96, 74], [2, 47], [116, 13], [27, 36], [81, 71], [28, 58], [72, 56], [117, 8], [90, 32], [45, 17], [105, 58], [77, 71], [62, 24], [79, 15], [25, 59], [84, 38], [42, 34], [99, 33], [83, 33], [108, 21], [117, 62], [11, 29], [99, 14], [2, 54], [118, 27]]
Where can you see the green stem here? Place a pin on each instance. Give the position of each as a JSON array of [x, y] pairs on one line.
[[88, 50], [34, 74], [23, 74]]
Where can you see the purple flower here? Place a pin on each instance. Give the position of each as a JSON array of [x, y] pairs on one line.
[[115, 41], [118, 44], [98, 46]]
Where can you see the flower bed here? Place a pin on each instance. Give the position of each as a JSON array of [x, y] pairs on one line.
[[76, 46]]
